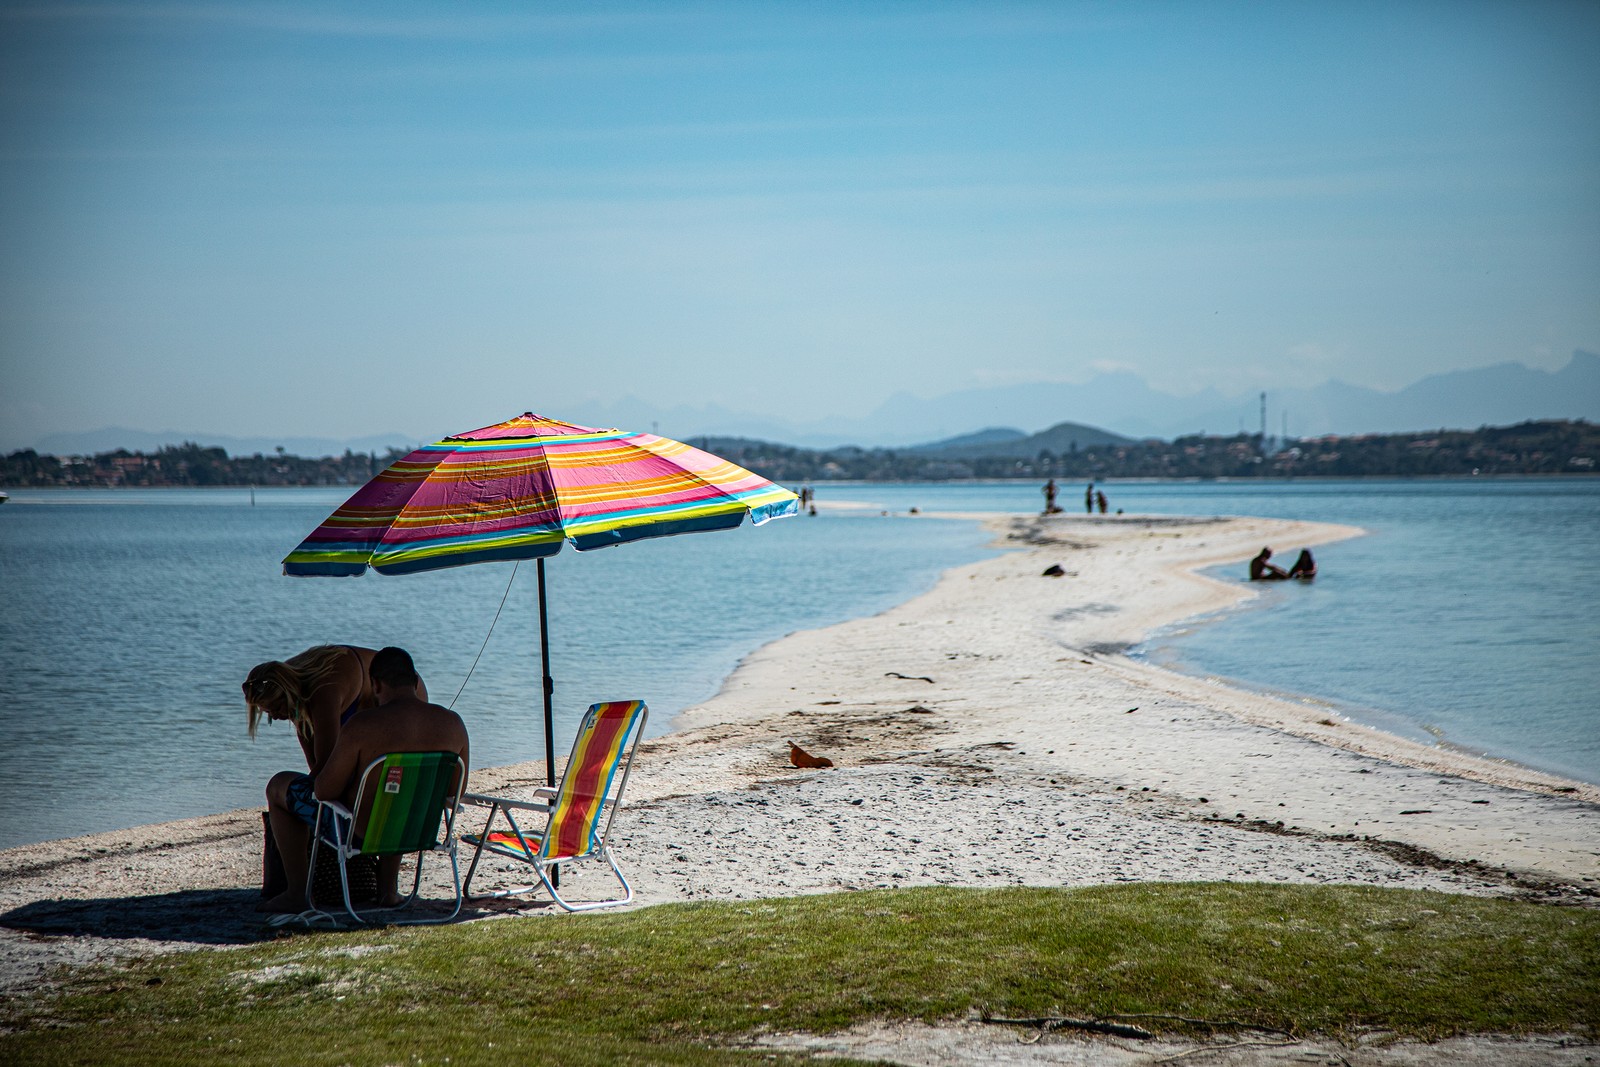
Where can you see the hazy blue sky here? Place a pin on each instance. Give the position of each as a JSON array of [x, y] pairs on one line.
[[341, 219]]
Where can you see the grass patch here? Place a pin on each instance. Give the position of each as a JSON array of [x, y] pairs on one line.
[[676, 983]]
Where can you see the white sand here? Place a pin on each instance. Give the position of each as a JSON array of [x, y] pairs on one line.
[[1028, 679], [987, 733]]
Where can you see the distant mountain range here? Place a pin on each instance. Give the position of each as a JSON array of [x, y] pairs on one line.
[[1125, 405], [980, 422]]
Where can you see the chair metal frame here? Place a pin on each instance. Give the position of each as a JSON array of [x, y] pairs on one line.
[[339, 832], [529, 845]]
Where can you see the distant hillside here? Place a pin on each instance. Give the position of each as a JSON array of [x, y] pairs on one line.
[[1551, 447], [994, 435], [189, 465], [1062, 439], [112, 438], [995, 442]]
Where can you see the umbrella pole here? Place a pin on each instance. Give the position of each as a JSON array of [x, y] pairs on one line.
[[549, 685]]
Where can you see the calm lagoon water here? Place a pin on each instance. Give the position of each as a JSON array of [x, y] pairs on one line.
[[1467, 615], [131, 616]]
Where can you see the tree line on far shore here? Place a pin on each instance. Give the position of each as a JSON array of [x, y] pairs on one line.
[[1545, 447], [189, 464], [1549, 447]]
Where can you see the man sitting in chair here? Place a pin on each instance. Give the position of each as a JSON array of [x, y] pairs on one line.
[[401, 722]]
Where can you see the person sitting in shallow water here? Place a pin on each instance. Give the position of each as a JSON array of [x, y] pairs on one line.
[[1305, 568], [1262, 571]]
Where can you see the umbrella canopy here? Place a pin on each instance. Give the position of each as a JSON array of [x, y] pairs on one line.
[[520, 489]]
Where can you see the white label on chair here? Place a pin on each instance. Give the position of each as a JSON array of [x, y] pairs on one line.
[[391, 784]]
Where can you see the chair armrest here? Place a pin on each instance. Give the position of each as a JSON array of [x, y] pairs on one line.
[[341, 825], [338, 808], [484, 800]]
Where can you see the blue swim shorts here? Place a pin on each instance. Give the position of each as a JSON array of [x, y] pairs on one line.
[[302, 801]]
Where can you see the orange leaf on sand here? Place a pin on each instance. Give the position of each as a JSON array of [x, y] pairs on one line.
[[801, 758]]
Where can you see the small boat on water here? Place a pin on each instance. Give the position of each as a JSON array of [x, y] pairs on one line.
[[4, 497]]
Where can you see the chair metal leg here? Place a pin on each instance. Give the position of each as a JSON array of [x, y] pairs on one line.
[[344, 872], [589, 905], [338, 846], [548, 871], [349, 903], [455, 877], [483, 840], [477, 854]]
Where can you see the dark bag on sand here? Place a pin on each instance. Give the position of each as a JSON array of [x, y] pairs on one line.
[[363, 871]]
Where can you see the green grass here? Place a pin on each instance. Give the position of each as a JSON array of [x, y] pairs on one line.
[[679, 983]]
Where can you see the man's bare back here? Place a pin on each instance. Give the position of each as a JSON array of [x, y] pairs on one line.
[[402, 723]]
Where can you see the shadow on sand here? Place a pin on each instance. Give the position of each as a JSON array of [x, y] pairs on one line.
[[192, 916], [197, 916]]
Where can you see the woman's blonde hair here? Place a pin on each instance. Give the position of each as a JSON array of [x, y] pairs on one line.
[[293, 681]]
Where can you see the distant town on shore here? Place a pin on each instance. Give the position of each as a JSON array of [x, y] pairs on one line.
[[1064, 451]]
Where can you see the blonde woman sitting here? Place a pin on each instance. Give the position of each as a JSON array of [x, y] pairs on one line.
[[319, 691]]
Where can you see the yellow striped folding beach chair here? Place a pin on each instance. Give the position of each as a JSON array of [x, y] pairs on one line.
[[407, 796], [579, 810]]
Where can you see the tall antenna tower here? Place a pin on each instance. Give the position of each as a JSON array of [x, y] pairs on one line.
[[1263, 423]]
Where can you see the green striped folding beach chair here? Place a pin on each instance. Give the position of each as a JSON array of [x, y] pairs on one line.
[[407, 796], [578, 811]]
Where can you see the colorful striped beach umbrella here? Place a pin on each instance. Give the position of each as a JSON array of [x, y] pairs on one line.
[[520, 490]]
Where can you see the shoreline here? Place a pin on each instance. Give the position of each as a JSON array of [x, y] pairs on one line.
[[998, 702], [1298, 713], [1168, 656]]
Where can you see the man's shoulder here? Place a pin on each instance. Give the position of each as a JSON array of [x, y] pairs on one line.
[[401, 718], [441, 714], [438, 718]]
